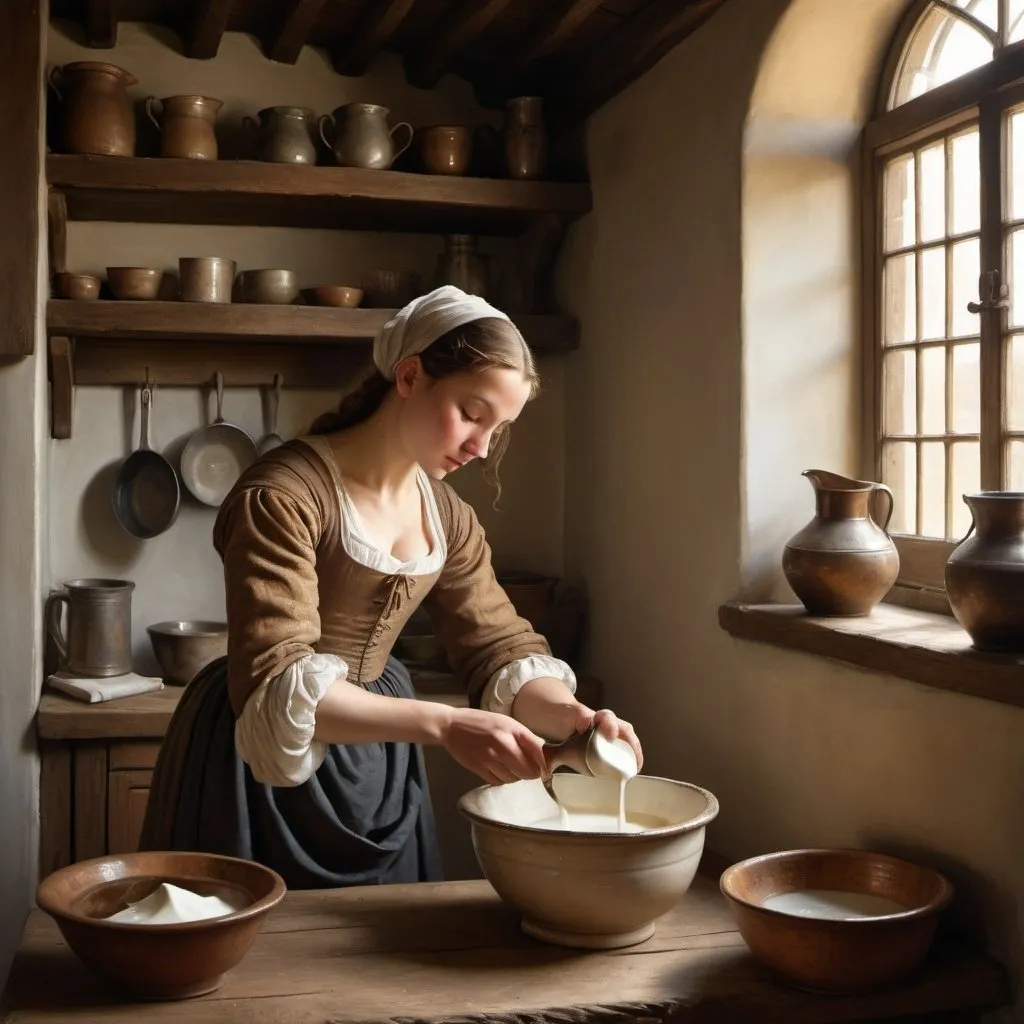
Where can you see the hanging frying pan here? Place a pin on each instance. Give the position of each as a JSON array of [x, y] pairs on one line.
[[216, 456], [146, 495]]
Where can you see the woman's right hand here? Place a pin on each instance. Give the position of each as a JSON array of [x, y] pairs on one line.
[[495, 747]]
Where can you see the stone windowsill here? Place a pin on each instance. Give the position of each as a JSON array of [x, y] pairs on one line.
[[923, 646]]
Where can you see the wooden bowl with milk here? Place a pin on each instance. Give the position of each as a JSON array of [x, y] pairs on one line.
[[579, 877], [161, 925], [840, 921]]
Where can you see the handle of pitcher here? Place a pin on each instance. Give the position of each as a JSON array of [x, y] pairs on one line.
[[892, 505], [151, 112], [52, 614], [409, 128]]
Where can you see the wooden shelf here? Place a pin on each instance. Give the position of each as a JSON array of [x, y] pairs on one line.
[[155, 190], [315, 325], [184, 344]]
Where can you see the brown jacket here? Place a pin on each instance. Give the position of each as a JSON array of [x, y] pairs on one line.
[[293, 590]]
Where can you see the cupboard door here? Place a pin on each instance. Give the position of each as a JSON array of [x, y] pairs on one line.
[[127, 796]]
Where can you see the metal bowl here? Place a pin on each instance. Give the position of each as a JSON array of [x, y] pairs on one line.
[[270, 287], [183, 647]]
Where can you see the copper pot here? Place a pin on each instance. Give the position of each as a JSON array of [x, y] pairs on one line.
[[842, 562], [186, 126], [96, 113], [985, 574], [445, 149]]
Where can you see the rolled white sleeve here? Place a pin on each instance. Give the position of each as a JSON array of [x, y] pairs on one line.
[[274, 733], [503, 686]]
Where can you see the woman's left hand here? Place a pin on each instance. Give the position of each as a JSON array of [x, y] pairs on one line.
[[610, 726]]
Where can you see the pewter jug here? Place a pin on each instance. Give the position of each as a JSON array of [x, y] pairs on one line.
[[284, 135], [985, 574], [98, 641], [842, 562], [362, 137]]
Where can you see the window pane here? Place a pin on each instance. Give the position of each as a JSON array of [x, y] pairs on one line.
[[932, 172], [965, 479], [942, 47], [1016, 22], [965, 268], [899, 472], [933, 292], [1015, 172], [1016, 273], [1015, 383], [965, 187], [966, 412], [899, 315], [899, 388], [899, 203], [933, 390], [984, 10], [933, 489], [1016, 466]]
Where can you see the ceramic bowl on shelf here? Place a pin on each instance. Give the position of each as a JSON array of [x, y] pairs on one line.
[[76, 286], [159, 961], [589, 889], [134, 283], [342, 295], [183, 647], [841, 921]]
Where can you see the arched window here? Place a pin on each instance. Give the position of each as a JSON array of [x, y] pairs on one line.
[[945, 242]]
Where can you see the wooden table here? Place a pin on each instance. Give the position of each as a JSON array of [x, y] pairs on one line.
[[453, 952]]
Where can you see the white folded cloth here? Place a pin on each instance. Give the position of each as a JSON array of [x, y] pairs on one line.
[[109, 688]]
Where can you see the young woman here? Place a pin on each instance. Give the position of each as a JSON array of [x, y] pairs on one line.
[[301, 749]]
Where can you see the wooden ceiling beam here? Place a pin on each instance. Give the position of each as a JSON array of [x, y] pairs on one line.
[[452, 35], [285, 45], [375, 27], [626, 54], [101, 23], [551, 33], [207, 30]]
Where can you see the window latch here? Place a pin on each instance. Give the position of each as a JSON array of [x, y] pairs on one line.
[[993, 295]]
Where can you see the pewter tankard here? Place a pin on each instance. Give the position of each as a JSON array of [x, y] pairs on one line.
[[98, 641]]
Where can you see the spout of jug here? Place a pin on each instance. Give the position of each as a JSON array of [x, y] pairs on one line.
[[824, 480]]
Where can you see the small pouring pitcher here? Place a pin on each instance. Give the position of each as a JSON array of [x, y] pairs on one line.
[[98, 641], [579, 754]]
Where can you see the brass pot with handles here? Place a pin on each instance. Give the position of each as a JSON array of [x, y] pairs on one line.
[[96, 114], [361, 136]]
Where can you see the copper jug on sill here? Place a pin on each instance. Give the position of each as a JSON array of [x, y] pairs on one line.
[[985, 574], [842, 562]]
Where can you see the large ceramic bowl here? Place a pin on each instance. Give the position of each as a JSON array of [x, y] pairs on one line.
[[159, 961], [593, 890], [842, 921]]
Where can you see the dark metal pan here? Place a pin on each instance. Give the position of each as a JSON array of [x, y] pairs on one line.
[[146, 494]]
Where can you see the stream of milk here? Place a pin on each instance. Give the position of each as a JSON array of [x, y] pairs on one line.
[[617, 760]]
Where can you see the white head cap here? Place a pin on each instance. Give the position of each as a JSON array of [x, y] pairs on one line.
[[418, 325]]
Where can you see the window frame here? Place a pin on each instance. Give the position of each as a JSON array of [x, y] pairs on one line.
[[981, 96]]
